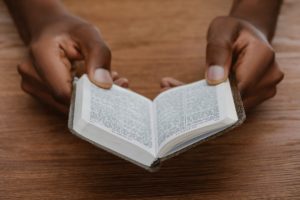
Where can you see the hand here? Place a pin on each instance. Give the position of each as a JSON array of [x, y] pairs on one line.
[[234, 45], [33, 84], [55, 46]]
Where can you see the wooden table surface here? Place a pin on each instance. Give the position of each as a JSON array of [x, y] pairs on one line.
[[40, 159]]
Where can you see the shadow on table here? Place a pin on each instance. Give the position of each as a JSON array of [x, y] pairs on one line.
[[204, 168]]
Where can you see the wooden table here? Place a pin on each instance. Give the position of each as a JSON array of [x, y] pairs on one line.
[[40, 159]]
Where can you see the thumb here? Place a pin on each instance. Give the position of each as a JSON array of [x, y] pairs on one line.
[[97, 55], [218, 61], [98, 60], [221, 37]]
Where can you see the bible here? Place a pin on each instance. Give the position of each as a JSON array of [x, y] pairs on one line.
[[148, 132]]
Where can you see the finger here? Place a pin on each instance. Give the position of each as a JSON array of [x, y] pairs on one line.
[[270, 79], [115, 75], [255, 60], [96, 54], [169, 82], [54, 68], [122, 82], [220, 38], [71, 49], [253, 101], [27, 70], [38, 91], [34, 85], [164, 89], [218, 63], [78, 68]]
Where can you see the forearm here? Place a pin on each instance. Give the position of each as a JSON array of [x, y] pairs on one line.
[[31, 15], [261, 13]]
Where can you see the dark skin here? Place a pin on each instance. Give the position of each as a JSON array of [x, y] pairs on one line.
[[238, 43], [56, 40]]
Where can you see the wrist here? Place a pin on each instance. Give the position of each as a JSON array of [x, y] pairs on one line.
[[261, 14], [264, 30]]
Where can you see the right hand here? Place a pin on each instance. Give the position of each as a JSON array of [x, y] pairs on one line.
[[235, 45], [55, 45]]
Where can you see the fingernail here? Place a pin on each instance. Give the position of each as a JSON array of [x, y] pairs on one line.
[[102, 78], [215, 74]]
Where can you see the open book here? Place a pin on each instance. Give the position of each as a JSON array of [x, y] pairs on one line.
[[146, 132]]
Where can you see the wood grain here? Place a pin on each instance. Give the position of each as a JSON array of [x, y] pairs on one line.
[[40, 159]]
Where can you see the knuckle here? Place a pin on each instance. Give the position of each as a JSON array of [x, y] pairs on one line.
[[24, 69], [24, 86], [95, 28], [88, 26], [86, 29], [21, 68], [245, 85], [219, 20], [271, 54], [279, 77], [272, 93]]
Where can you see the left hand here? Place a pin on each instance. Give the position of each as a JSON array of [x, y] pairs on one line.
[[33, 84]]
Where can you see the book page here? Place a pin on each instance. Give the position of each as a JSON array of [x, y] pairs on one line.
[[185, 108], [123, 113]]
